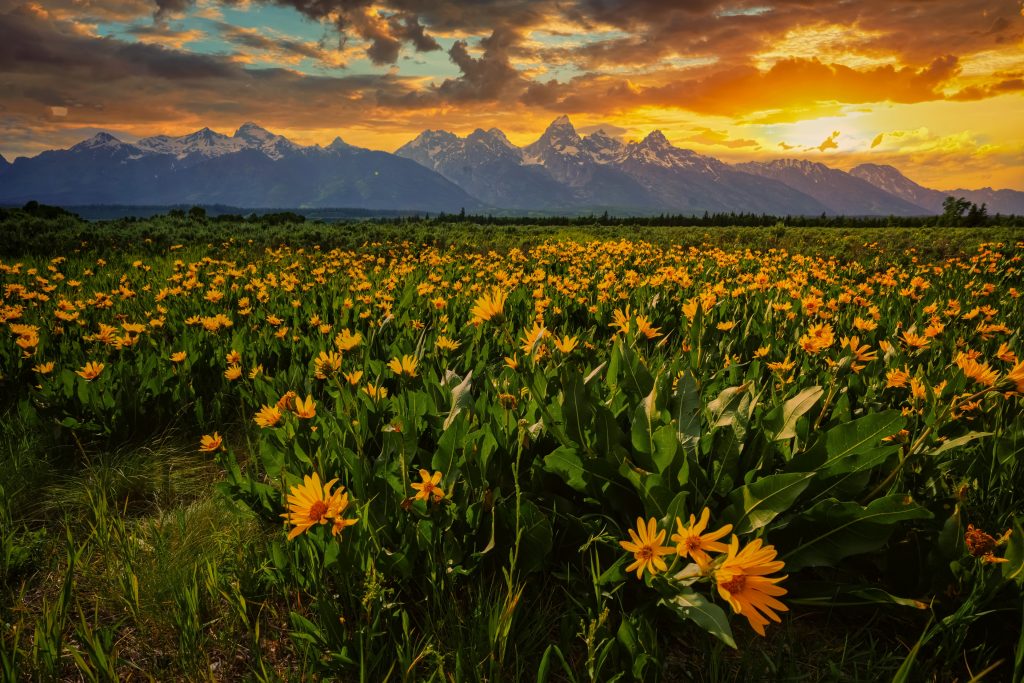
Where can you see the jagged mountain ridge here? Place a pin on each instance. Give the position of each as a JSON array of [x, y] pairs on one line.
[[252, 169], [597, 171], [841, 192], [562, 171]]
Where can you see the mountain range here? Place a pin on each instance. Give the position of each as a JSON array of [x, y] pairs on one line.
[[561, 171]]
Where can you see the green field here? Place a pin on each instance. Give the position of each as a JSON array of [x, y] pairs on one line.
[[497, 409]]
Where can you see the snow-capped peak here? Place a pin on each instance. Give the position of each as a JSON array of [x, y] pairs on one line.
[[561, 122], [656, 140], [500, 136], [251, 131], [99, 140], [209, 143], [602, 148], [204, 142]]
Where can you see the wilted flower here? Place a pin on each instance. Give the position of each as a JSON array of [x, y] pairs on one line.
[[210, 442]]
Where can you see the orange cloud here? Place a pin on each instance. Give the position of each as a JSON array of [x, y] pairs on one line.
[[829, 142], [707, 136]]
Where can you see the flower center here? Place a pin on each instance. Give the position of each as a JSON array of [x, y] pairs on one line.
[[735, 584], [645, 553], [317, 510], [693, 543]]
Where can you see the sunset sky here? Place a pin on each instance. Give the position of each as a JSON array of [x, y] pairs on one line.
[[934, 87]]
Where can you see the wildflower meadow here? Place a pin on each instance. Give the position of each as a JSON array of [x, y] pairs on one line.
[[547, 456]]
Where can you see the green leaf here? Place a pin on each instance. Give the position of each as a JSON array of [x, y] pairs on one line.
[[566, 463], [959, 441], [577, 413], [665, 446], [724, 408], [610, 437], [758, 503], [688, 412], [636, 379], [675, 509], [793, 409], [615, 573], [535, 537], [833, 530], [644, 423], [461, 399], [709, 616], [848, 440], [272, 459], [1013, 568]]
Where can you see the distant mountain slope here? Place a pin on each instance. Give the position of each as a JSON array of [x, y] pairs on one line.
[[996, 201], [889, 178], [840, 192], [560, 172], [253, 168], [894, 182], [487, 166], [690, 182]]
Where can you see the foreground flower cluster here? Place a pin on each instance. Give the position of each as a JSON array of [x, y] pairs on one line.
[[740, 575]]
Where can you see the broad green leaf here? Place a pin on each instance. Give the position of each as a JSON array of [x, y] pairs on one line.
[[675, 509], [859, 436], [709, 616], [959, 441], [758, 503], [793, 409], [576, 409], [665, 446], [461, 399], [1013, 568], [687, 412], [845, 446], [833, 530], [723, 409], [831, 594], [860, 461], [610, 438], [535, 537], [642, 431], [566, 463]]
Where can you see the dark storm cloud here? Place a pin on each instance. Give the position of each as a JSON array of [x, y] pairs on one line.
[[45, 63], [487, 77], [385, 32], [258, 40], [170, 8], [618, 54]]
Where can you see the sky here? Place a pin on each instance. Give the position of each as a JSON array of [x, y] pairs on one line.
[[933, 87]]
